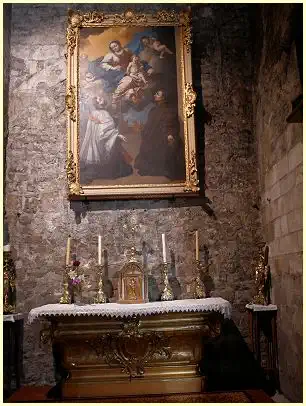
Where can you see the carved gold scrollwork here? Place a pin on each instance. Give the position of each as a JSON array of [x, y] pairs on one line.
[[131, 348], [73, 185], [48, 334], [71, 102], [190, 98], [215, 327], [71, 39], [93, 17], [129, 17], [262, 277], [76, 20], [193, 182], [187, 36], [165, 16]]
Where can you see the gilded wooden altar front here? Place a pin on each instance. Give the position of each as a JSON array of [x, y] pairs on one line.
[[104, 356]]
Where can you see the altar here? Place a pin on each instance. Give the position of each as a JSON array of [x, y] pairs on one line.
[[131, 349]]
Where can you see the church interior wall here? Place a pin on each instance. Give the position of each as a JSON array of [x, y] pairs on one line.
[[229, 137], [280, 151]]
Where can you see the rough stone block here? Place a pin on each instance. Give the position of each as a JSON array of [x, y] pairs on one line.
[[298, 195], [300, 240], [295, 220], [275, 191], [282, 167], [295, 156], [45, 52], [269, 232], [273, 175], [292, 200], [268, 182], [274, 248], [289, 243], [284, 225], [299, 174], [296, 263], [275, 211], [277, 228], [21, 51], [287, 183]]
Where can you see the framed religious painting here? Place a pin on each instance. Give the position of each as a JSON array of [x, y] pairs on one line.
[[130, 105]]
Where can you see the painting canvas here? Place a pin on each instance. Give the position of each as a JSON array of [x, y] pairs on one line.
[[129, 134]]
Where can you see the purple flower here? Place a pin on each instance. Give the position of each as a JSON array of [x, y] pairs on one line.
[[76, 281]]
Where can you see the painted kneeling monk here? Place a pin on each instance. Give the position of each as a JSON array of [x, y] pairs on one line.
[[161, 151], [102, 154]]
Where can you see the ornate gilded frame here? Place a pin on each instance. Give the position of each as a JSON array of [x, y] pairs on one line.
[[187, 96]]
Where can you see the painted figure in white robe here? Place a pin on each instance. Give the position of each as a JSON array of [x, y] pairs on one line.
[[102, 154]]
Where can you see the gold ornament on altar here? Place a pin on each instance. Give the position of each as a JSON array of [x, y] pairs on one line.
[[66, 298], [9, 282], [201, 269], [100, 297], [199, 284], [263, 279], [133, 284], [167, 291]]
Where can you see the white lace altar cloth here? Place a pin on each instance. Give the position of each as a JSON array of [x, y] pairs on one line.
[[216, 304]]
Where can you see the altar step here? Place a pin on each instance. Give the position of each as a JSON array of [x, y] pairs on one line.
[[39, 394]]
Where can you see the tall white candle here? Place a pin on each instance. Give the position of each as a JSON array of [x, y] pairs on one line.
[[99, 249], [68, 251], [197, 244], [164, 248]]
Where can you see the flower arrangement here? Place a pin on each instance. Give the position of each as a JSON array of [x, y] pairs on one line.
[[76, 281]]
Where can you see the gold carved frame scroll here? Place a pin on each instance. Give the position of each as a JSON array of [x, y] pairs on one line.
[[133, 185]]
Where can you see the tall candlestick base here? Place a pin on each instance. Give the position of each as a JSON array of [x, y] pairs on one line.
[[167, 292], [66, 298], [100, 297], [199, 285], [9, 283]]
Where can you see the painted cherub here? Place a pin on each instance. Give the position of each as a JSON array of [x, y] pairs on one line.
[[159, 47], [136, 70]]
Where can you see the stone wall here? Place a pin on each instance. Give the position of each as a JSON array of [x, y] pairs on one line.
[[280, 173], [7, 13], [40, 217]]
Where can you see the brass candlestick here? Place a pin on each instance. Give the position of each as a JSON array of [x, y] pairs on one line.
[[66, 298], [9, 283], [100, 297], [199, 285], [167, 292]]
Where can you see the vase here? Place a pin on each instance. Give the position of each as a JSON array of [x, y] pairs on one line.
[[76, 297]]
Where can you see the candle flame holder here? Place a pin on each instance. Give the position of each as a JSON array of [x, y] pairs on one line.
[[100, 297], [167, 292], [66, 298], [199, 284]]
